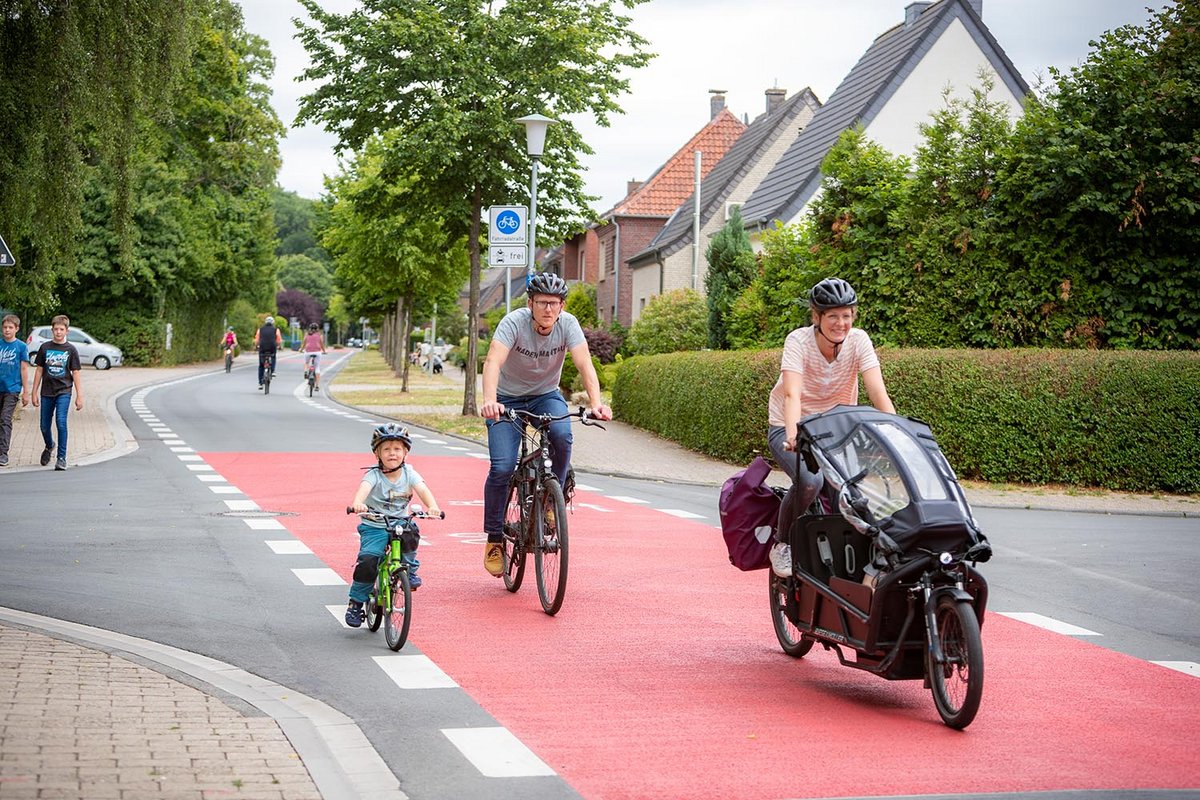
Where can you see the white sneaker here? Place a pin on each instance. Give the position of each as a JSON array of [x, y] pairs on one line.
[[781, 559]]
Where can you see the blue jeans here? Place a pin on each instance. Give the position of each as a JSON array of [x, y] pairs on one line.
[[809, 483], [260, 365], [373, 541], [57, 408], [504, 445]]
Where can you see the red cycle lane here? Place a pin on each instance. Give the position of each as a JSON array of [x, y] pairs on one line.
[[661, 677]]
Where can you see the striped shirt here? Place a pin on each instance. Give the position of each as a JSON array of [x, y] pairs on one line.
[[823, 384]]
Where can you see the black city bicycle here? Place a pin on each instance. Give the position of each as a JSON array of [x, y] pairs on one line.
[[390, 602], [310, 374], [228, 359], [264, 360], [535, 517]]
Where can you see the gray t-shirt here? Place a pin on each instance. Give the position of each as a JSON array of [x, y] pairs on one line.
[[534, 363], [390, 493]]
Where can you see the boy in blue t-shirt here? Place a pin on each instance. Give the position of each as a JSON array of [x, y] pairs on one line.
[[14, 379], [56, 375], [386, 488]]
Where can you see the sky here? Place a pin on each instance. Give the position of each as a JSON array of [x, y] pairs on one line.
[[742, 47]]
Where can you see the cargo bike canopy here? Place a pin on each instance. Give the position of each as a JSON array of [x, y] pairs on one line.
[[891, 479]]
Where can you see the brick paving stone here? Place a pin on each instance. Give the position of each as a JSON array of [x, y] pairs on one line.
[[82, 724]]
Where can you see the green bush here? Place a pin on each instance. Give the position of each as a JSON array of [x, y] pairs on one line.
[[1118, 420], [670, 323]]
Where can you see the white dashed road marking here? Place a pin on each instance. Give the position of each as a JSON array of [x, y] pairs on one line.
[[496, 753], [261, 524], [1049, 623], [625, 499], [676, 512], [318, 576], [288, 547], [242, 505], [1186, 667], [414, 672]]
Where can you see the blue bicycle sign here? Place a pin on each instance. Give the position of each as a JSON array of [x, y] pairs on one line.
[[507, 225]]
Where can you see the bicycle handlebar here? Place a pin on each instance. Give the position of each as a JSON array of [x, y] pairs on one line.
[[584, 415], [384, 516]]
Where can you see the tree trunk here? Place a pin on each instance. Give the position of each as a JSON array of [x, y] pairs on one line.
[[469, 407], [405, 339]]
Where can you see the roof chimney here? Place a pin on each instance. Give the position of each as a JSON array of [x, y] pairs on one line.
[[632, 186], [716, 102], [775, 98], [913, 11]]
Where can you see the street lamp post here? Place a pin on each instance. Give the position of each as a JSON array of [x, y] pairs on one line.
[[535, 140]]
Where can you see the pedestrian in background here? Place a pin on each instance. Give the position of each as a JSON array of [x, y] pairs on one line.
[[56, 373], [14, 379]]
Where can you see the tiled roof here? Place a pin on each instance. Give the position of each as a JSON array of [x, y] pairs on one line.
[[731, 169], [859, 97], [674, 180]]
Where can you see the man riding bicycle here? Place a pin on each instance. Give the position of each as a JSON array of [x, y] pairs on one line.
[[267, 341], [522, 372]]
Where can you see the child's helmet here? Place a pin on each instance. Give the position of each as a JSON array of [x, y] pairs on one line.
[[312, 327], [547, 283], [832, 293], [390, 432]]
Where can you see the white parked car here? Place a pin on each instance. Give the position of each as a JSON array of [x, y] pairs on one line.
[[91, 350]]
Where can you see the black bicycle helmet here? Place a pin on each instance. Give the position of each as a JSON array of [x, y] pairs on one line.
[[312, 327], [832, 293], [390, 432], [547, 283]]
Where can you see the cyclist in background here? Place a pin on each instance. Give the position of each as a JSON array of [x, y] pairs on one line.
[[819, 370], [229, 340], [522, 371], [267, 341], [314, 346]]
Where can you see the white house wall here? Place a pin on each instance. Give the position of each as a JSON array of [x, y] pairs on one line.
[[645, 286], [954, 60]]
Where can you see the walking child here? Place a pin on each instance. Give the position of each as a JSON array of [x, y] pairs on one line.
[[14, 379], [386, 488], [56, 374]]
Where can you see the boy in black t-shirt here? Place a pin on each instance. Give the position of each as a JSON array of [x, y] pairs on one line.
[[56, 373]]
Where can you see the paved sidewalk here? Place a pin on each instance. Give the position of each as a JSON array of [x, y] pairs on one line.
[[80, 720]]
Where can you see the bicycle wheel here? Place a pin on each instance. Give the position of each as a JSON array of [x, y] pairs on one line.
[[514, 541], [957, 683], [550, 546], [267, 379], [399, 615], [228, 362], [794, 643], [374, 610], [311, 383]]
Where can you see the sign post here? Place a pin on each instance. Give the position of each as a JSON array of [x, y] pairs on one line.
[[506, 243]]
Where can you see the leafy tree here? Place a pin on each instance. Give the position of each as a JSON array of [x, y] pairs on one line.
[[77, 80], [448, 79], [300, 306], [581, 302], [731, 267], [671, 322], [298, 271], [1102, 198]]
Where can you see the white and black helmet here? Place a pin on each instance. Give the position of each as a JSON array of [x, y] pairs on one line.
[[390, 432], [832, 293], [547, 283]]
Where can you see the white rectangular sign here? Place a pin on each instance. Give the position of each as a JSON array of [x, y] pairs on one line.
[[506, 255], [507, 225]]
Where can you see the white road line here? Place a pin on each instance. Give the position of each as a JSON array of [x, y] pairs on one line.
[[496, 753], [318, 576], [1049, 623], [625, 499], [594, 507], [339, 613], [1186, 667], [167, 434], [263, 524], [173, 442], [190, 458], [200, 467], [225, 490], [585, 488], [212, 478], [242, 505], [288, 547], [435, 441], [414, 672], [458, 449], [676, 512], [182, 450], [483, 456]]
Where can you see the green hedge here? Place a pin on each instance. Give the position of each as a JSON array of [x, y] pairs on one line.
[[1117, 420]]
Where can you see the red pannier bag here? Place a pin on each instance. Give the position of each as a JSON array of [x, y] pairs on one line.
[[749, 513]]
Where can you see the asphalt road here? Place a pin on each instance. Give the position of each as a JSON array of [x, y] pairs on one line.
[[660, 678]]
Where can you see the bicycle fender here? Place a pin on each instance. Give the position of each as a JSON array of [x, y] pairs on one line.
[[948, 591]]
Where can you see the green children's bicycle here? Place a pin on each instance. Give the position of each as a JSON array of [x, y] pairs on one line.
[[390, 602]]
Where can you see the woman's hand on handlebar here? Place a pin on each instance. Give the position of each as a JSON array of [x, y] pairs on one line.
[[492, 410]]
